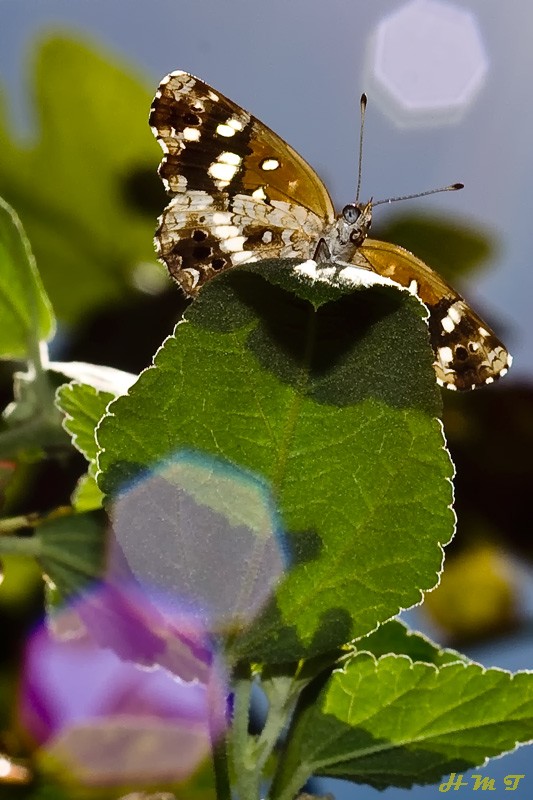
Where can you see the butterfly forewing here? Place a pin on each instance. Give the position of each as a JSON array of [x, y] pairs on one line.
[[195, 125]]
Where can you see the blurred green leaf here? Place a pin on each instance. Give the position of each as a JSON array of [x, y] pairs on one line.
[[86, 188], [394, 723], [71, 552], [41, 790], [26, 315], [7, 471], [326, 393], [446, 244], [87, 496], [491, 440], [21, 578]]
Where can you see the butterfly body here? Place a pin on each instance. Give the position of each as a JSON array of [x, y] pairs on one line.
[[239, 194]]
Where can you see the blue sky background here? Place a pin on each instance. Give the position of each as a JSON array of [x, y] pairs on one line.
[[301, 65]]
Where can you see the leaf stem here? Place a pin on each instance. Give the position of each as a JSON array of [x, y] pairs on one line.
[[20, 546], [216, 703], [291, 789], [220, 767], [246, 773]]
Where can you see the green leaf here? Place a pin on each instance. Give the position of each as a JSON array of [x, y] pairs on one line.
[[26, 315], [394, 723], [71, 551], [86, 189], [395, 637], [324, 393], [83, 406], [283, 683], [87, 496]]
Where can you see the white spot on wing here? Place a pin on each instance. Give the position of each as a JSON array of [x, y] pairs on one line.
[[454, 313], [269, 164], [221, 218], [191, 134], [233, 245], [194, 199], [447, 323], [226, 231], [259, 194], [229, 158], [242, 256], [222, 172], [446, 355], [225, 130]]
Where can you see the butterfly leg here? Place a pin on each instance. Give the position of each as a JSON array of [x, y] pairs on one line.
[[322, 253]]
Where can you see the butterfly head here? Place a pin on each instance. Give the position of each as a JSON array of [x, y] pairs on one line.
[[356, 219], [348, 231]]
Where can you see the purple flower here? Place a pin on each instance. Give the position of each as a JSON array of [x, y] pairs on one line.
[[124, 690]]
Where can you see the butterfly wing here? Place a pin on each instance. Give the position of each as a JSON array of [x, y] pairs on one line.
[[240, 193], [467, 352]]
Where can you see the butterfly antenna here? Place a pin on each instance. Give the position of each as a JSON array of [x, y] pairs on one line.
[[453, 188], [361, 131]]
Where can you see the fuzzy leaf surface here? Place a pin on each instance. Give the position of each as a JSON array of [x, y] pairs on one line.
[[324, 393]]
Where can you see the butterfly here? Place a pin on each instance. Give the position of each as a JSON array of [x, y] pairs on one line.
[[239, 194]]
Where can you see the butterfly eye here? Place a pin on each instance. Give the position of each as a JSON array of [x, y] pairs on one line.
[[351, 214]]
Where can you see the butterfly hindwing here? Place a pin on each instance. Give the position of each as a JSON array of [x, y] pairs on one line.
[[201, 234], [467, 353]]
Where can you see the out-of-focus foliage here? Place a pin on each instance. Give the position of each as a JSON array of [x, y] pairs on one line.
[[85, 186], [449, 246]]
